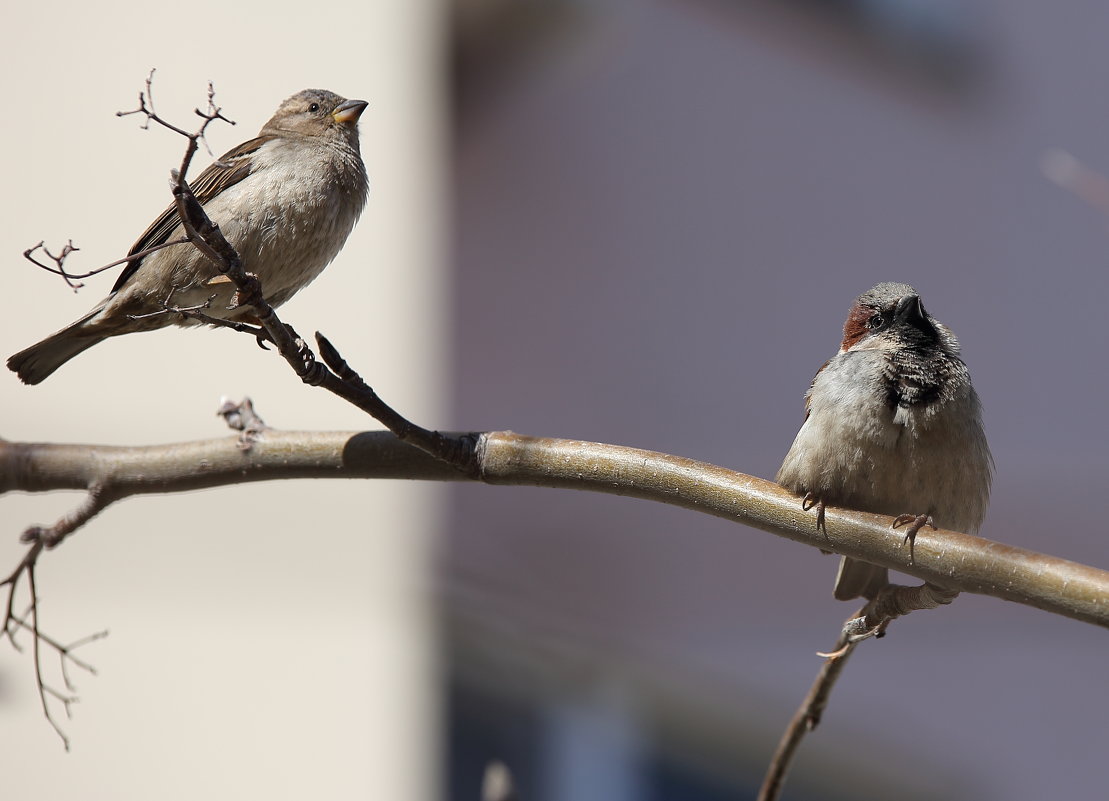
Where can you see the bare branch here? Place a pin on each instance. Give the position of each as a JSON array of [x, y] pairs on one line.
[[947, 560], [36, 640], [892, 601], [808, 715], [197, 313], [943, 558], [146, 108], [40, 539], [12, 583], [65, 651], [43, 538], [51, 536], [453, 450], [59, 262]]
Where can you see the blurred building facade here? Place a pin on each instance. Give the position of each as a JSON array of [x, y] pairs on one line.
[[662, 211]]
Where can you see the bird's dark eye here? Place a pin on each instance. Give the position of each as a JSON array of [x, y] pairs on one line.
[[314, 107], [875, 322]]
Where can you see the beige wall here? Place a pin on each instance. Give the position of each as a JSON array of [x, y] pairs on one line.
[[268, 641]]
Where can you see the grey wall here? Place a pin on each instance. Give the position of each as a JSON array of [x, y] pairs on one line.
[[660, 224]]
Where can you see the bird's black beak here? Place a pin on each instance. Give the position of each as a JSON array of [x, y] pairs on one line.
[[910, 311], [349, 111]]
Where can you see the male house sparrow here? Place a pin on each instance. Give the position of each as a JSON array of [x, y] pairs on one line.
[[894, 427], [286, 200]]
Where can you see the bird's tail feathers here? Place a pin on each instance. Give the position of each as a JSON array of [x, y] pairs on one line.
[[37, 362], [857, 579]]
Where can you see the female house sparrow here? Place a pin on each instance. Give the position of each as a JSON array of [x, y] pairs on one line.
[[894, 427], [286, 200]]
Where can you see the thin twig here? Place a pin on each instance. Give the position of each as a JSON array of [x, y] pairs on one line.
[[70, 248], [66, 651], [97, 499], [12, 583], [808, 715], [59, 262], [43, 538], [146, 108], [891, 602], [36, 640], [197, 313]]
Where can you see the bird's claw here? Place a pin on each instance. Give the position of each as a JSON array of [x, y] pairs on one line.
[[808, 502], [915, 524]]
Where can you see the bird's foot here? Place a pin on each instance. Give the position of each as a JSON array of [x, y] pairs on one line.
[[808, 502], [915, 523]]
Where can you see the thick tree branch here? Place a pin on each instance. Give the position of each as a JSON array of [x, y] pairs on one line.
[[944, 558]]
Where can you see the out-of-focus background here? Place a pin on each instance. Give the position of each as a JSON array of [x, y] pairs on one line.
[[267, 641], [635, 222]]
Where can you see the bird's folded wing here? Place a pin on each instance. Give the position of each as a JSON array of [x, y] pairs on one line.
[[232, 167]]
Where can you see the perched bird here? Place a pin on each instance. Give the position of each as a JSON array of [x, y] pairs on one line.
[[286, 200], [894, 427]]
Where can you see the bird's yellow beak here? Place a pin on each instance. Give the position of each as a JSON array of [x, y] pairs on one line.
[[349, 111]]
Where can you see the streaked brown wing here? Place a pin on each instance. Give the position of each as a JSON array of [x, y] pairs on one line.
[[232, 167]]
